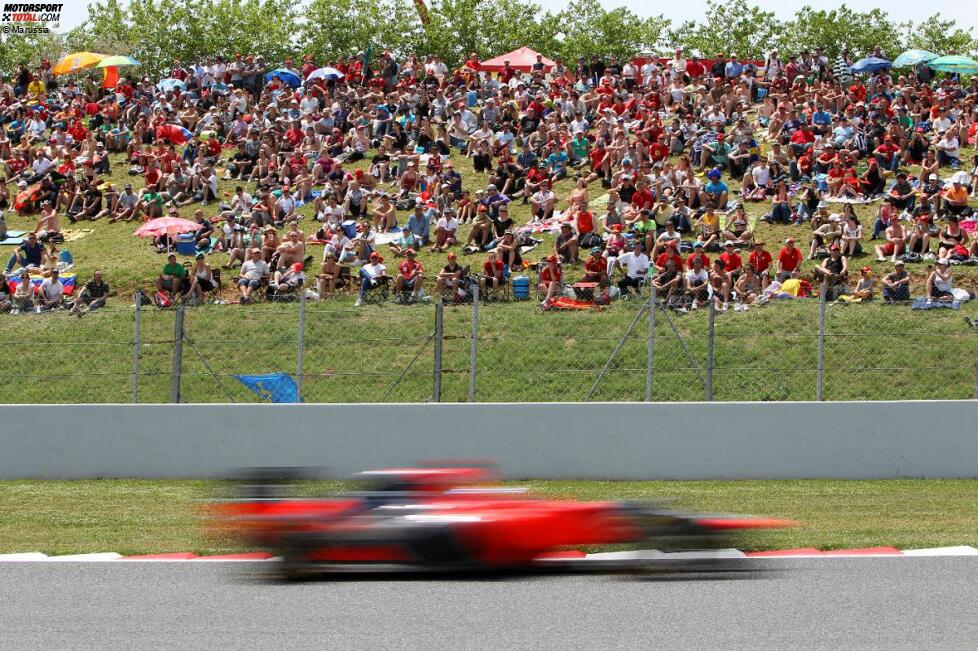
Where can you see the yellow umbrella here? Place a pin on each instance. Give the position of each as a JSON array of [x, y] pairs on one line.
[[76, 61]]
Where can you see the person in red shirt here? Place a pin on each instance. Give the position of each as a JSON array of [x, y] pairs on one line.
[[789, 260], [307, 66], [732, 262], [493, 274], [801, 140], [506, 73], [642, 198], [694, 68], [760, 261], [583, 220], [668, 254], [659, 150], [888, 154], [410, 274], [698, 253], [596, 268], [551, 279]]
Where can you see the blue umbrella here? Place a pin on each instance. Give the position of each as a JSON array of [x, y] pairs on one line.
[[325, 73], [170, 83], [913, 57], [286, 76], [870, 64]]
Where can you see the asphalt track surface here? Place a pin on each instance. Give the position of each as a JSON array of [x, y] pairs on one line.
[[886, 603]]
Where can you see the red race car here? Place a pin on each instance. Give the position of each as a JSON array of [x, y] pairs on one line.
[[454, 519]]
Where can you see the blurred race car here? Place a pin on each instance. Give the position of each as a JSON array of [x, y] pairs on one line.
[[455, 519]]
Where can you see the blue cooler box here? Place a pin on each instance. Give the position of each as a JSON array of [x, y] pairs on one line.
[[186, 244], [521, 288]]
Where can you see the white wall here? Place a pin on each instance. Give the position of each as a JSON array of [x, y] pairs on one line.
[[573, 440]]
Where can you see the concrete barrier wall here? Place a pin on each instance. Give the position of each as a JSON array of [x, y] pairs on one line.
[[603, 441]]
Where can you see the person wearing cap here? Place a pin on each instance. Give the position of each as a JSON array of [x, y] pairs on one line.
[[410, 276], [715, 153], [940, 283], [372, 275], [954, 199], [451, 278], [596, 268], [896, 284], [543, 201], [252, 272], [715, 192], [826, 235], [287, 279], [895, 242], [709, 228], [551, 279], [733, 264], [864, 288], [887, 154]]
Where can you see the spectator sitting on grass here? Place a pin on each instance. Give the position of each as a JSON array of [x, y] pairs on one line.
[[29, 255], [493, 273], [551, 279], [896, 284], [23, 294], [940, 282], [92, 296], [864, 288], [565, 246], [634, 266], [596, 268], [834, 270], [51, 293]]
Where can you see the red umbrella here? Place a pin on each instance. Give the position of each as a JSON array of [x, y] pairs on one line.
[[166, 226]]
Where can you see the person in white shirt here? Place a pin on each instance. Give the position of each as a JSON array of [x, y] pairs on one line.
[[697, 281], [372, 275], [542, 202], [445, 229], [252, 272], [51, 293], [635, 265], [948, 150], [762, 174]]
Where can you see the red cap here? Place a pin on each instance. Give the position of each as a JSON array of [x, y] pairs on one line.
[[552, 258], [374, 255], [297, 267]]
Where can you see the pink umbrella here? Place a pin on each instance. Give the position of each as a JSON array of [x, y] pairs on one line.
[[166, 226]]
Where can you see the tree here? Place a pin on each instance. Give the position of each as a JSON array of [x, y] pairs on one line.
[[589, 29], [836, 29], [940, 36], [731, 27]]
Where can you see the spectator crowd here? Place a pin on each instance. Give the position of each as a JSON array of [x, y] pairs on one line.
[[318, 177]]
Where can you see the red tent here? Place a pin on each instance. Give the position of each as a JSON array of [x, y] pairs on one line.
[[521, 59]]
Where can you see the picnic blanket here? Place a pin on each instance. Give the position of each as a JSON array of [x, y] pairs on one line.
[[389, 237], [14, 238], [68, 280], [564, 303], [969, 225], [922, 304], [72, 234]]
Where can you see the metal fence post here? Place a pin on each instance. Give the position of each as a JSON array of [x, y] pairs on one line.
[[710, 340], [436, 388], [820, 363], [177, 354], [650, 347], [136, 333], [474, 347], [300, 342]]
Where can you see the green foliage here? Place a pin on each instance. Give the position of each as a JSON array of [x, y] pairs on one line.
[[730, 27], [158, 31]]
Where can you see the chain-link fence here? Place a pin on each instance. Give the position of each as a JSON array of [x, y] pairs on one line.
[[636, 350]]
